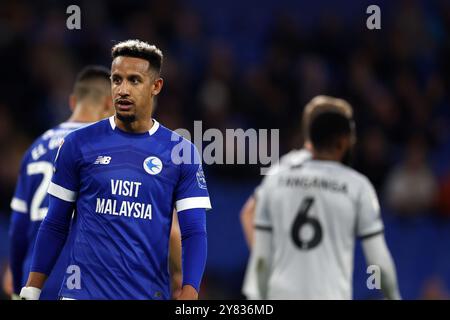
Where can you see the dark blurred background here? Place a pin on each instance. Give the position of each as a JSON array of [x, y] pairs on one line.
[[254, 64]]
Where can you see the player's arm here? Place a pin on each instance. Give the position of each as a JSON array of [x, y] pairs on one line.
[[18, 245], [175, 268], [377, 253], [50, 241], [262, 258], [194, 251], [247, 220], [55, 227], [18, 229], [247, 215], [191, 203], [370, 231], [259, 266]]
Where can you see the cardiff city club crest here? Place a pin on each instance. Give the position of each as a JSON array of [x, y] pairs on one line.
[[153, 165], [201, 180]]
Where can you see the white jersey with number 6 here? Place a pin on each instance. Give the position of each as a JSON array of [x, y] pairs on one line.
[[314, 212], [293, 158]]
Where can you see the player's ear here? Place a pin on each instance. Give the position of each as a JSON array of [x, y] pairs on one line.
[[343, 143], [353, 139], [72, 102], [157, 86]]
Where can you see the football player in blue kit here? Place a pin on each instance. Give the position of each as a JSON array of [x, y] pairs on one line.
[[123, 176]]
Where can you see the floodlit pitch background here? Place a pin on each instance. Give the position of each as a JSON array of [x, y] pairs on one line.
[[254, 64]]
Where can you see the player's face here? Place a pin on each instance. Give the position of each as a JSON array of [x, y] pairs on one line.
[[133, 86]]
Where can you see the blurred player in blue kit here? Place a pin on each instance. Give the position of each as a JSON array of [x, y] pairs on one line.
[[123, 176], [90, 102]]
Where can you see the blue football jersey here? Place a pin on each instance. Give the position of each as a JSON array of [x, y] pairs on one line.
[[125, 187], [31, 198]]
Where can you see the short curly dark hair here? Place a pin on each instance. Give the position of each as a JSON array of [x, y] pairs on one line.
[[139, 49], [326, 127]]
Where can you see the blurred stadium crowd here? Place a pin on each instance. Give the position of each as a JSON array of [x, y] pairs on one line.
[[253, 64]]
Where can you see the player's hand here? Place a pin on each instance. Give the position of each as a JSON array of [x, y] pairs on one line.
[[8, 282], [30, 293], [188, 293], [176, 282]]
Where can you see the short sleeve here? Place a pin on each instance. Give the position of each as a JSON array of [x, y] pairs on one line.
[[19, 200], [191, 191], [262, 212], [65, 180], [369, 220]]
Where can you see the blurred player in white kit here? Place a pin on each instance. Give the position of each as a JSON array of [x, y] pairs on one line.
[[308, 213]]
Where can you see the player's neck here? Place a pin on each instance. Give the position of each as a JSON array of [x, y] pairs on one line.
[[84, 114], [326, 156], [137, 126]]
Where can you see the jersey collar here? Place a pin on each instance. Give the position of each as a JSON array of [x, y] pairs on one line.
[[73, 125], [150, 132]]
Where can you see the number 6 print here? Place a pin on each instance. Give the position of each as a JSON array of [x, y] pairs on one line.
[[302, 219]]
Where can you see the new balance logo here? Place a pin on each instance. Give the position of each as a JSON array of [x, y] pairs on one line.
[[102, 160]]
